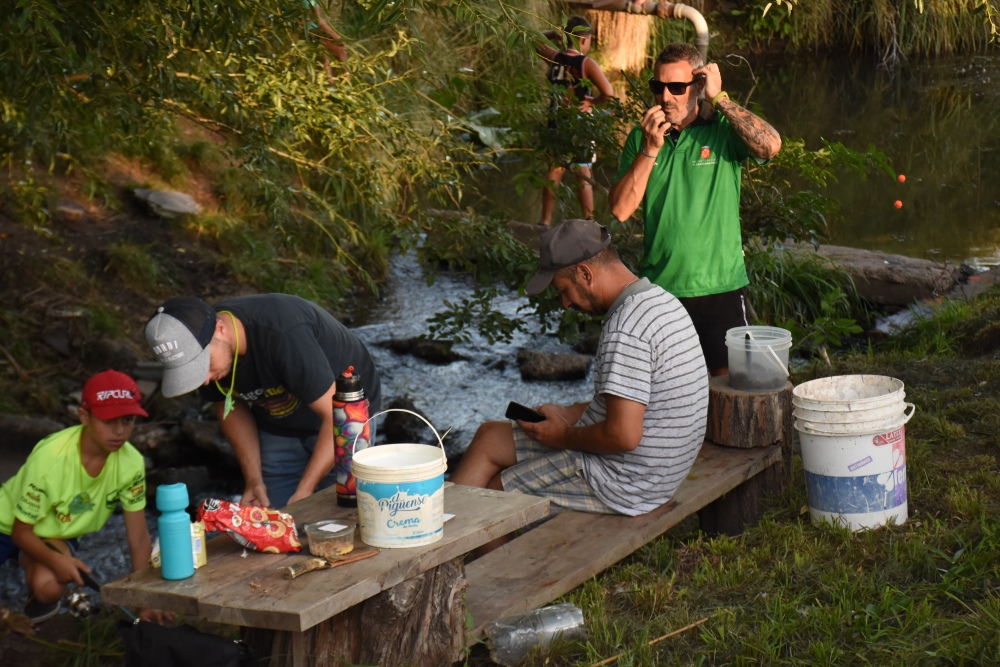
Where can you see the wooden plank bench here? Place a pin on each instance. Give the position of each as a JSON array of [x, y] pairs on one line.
[[725, 486]]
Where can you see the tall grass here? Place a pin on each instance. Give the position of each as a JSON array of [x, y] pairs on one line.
[[892, 29]]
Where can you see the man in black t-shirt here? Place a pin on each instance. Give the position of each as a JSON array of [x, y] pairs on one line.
[[269, 362]]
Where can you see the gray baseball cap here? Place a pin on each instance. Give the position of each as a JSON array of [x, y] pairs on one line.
[[569, 243], [179, 334]]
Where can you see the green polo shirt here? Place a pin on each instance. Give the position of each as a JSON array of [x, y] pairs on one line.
[[692, 209]]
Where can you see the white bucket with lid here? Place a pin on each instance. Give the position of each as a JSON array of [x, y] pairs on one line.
[[854, 455], [758, 358], [400, 491]]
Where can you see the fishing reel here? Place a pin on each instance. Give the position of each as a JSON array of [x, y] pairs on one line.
[[81, 605]]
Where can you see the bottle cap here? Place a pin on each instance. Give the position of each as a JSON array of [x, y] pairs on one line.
[[349, 382], [171, 495]]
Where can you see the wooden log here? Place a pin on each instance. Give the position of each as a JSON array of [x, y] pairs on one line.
[[742, 420], [746, 419], [418, 622]]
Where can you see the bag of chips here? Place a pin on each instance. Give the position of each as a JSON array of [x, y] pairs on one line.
[[257, 528]]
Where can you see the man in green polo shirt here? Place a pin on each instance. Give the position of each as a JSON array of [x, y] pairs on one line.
[[683, 168]]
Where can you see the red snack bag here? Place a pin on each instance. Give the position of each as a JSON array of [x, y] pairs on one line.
[[257, 528]]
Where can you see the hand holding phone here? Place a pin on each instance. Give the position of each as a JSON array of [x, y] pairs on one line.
[[519, 412]]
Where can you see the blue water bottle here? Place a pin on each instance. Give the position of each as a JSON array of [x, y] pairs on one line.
[[174, 525]]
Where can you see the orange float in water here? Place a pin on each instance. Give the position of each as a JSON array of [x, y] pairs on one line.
[[901, 178], [898, 204]]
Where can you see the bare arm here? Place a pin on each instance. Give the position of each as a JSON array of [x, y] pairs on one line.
[[335, 43], [620, 431], [240, 429], [592, 72], [626, 195], [762, 140], [139, 550], [324, 453]]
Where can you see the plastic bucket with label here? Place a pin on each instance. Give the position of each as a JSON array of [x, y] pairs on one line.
[[854, 460], [400, 489]]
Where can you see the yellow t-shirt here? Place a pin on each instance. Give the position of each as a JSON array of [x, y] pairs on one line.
[[53, 491]]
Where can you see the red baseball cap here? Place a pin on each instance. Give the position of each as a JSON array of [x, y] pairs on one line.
[[110, 395]]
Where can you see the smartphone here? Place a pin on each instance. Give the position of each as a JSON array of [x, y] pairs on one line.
[[522, 413]]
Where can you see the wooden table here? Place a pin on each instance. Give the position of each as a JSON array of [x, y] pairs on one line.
[[321, 616]]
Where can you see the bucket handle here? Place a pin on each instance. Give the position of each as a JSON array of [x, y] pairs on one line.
[[774, 355], [440, 438], [912, 408]]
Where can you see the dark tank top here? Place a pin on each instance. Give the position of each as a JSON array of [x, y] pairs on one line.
[[567, 70]]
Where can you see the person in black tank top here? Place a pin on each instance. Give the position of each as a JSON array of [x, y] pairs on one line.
[[581, 77]]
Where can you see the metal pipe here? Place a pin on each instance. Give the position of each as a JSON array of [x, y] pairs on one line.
[[664, 10]]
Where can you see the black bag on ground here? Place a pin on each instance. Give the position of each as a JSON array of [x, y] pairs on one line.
[[152, 645]]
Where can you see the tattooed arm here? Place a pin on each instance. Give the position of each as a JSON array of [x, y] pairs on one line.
[[761, 139]]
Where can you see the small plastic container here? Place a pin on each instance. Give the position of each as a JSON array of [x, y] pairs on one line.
[[758, 358], [332, 538]]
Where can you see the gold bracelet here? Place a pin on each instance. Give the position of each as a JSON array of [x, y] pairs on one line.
[[719, 97]]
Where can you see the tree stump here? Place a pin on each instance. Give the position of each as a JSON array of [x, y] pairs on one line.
[[418, 622], [743, 419]]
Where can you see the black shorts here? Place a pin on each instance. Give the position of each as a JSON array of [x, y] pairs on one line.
[[713, 316]]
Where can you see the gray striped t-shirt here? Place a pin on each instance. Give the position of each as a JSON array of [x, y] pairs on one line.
[[648, 353]]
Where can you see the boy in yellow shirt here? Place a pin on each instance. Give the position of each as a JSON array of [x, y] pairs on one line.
[[70, 485]]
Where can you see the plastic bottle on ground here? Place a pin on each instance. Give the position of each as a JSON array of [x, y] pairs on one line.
[[511, 638]]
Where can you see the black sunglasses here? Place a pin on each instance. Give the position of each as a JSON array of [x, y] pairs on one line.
[[675, 87]]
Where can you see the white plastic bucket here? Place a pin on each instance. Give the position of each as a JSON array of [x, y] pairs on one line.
[[848, 393], [400, 491], [854, 453]]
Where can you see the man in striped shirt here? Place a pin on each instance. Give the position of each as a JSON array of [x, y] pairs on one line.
[[629, 448]]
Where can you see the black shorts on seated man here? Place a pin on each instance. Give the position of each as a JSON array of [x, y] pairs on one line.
[[627, 449], [269, 362]]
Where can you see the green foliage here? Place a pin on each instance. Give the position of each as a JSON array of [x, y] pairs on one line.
[[800, 292], [785, 199], [318, 167]]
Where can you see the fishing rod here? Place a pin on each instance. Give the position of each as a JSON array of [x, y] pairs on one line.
[[636, 89]]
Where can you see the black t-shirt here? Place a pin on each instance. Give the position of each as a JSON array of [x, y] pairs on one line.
[[295, 351]]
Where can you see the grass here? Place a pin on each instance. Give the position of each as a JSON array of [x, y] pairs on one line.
[[789, 593]]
